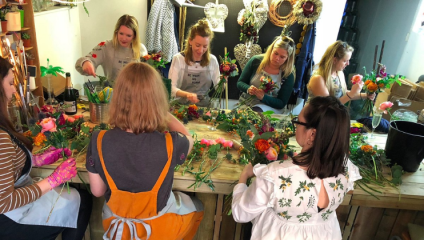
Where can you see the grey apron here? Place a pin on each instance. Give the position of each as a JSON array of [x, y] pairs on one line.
[[65, 212], [120, 60], [199, 82]]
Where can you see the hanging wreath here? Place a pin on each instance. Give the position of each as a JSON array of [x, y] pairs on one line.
[[278, 20], [307, 11]]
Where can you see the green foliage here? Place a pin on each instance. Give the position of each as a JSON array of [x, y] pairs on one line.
[[26, 36], [50, 69]]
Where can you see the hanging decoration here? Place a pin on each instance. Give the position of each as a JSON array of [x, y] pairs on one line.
[[251, 19], [307, 11], [216, 15], [278, 20], [302, 36]]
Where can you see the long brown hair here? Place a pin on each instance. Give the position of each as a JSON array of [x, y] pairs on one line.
[[131, 23], [285, 43], [140, 101], [202, 29], [336, 50], [328, 155], [5, 122]]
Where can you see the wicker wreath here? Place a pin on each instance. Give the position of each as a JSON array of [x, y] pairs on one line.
[[278, 20], [307, 11]]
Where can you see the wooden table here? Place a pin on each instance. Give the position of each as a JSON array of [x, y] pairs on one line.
[[411, 198]]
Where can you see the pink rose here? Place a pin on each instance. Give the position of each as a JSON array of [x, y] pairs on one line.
[[226, 68], [208, 114], [68, 118], [228, 144], [48, 124], [205, 142], [212, 142], [384, 106], [220, 141], [356, 79], [271, 154]]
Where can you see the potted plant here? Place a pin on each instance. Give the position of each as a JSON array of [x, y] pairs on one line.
[[29, 58], [26, 38], [3, 11]]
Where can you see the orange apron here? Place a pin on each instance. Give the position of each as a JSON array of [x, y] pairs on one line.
[[135, 215]]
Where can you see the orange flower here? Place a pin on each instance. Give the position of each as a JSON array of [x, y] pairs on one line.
[[367, 148], [262, 145], [28, 134], [381, 85], [147, 57], [40, 139], [193, 106], [372, 87], [368, 82]]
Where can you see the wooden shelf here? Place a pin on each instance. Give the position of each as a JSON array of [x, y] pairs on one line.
[[16, 3], [3, 34], [25, 28], [28, 48]]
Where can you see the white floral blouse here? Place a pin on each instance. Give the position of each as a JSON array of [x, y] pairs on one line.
[[282, 202]]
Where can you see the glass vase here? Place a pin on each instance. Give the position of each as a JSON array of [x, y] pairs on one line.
[[50, 100]]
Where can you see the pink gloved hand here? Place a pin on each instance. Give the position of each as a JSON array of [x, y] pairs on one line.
[[50, 156], [63, 173]]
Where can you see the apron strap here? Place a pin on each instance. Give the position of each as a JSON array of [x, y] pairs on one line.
[[110, 181], [170, 149]]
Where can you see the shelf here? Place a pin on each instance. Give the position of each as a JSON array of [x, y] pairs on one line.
[[16, 3], [24, 28], [3, 34], [28, 48]]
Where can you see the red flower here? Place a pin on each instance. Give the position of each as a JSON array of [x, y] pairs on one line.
[[102, 44], [94, 55]]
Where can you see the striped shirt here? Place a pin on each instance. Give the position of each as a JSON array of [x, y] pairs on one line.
[[12, 161]]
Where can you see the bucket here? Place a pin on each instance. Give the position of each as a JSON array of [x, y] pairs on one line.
[[99, 112], [405, 144]]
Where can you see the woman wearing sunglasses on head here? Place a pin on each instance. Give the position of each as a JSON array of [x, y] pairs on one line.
[[297, 199], [276, 63], [329, 80]]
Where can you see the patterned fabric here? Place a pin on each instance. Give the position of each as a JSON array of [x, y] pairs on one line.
[[282, 202], [12, 161], [160, 35]]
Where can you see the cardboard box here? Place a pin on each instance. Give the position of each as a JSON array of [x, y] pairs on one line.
[[401, 90], [419, 94], [414, 107]]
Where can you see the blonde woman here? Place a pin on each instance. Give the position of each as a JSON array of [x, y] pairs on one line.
[[277, 63], [195, 70], [329, 80], [113, 55], [132, 164]]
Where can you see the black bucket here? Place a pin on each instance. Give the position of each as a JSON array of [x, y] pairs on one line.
[[405, 144]]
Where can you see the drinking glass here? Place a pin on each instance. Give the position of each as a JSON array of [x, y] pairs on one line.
[[214, 113], [376, 118]]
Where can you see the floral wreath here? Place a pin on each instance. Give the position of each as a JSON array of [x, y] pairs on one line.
[[278, 20], [307, 11]]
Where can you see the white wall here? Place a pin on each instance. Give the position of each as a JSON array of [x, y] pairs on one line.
[[100, 24], [389, 20], [58, 38], [328, 26], [412, 64]]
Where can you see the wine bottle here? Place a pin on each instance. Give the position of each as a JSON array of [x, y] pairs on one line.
[[70, 98]]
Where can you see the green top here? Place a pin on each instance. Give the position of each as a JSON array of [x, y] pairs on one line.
[[249, 72]]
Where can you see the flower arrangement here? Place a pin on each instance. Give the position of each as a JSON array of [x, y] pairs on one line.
[[249, 27], [371, 162], [374, 83], [202, 151], [155, 60], [185, 113], [227, 68], [267, 85]]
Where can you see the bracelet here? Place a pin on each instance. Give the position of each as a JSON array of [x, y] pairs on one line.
[[348, 96]]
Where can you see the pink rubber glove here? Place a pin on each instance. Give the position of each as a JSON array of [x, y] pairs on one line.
[[50, 156], [63, 173]]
